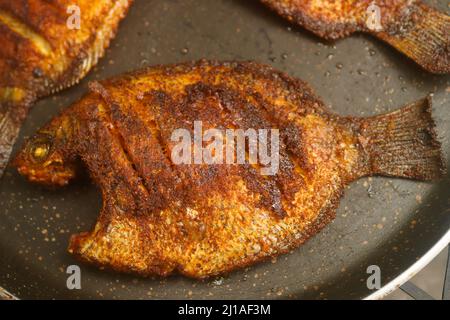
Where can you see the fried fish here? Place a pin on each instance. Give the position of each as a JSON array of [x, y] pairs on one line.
[[201, 220], [47, 46], [417, 30]]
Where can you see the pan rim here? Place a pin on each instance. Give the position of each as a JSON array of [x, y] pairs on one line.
[[409, 273], [5, 295]]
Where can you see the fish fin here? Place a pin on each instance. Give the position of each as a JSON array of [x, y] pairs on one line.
[[403, 143], [424, 37], [11, 118]]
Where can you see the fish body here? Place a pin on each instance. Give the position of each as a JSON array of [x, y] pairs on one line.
[[47, 46], [417, 30], [201, 220]]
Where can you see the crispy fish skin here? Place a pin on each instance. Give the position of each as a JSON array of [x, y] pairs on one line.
[[203, 220], [40, 54], [417, 30]]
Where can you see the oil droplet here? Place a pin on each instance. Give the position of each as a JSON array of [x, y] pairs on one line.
[[339, 66], [327, 74], [218, 282], [144, 62], [372, 52], [185, 51], [284, 56], [330, 56], [362, 72]]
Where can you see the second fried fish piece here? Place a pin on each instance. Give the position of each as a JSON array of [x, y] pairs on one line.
[[46, 46], [417, 30]]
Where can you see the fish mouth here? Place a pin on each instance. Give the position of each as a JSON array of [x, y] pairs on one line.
[[55, 175]]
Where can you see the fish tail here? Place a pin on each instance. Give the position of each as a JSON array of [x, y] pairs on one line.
[[11, 119], [403, 143], [425, 39]]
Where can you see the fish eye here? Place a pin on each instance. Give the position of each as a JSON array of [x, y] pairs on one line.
[[40, 149], [39, 152]]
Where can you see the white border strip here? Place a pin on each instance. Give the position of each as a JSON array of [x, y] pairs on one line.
[[413, 270]]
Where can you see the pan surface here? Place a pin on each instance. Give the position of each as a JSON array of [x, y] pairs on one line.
[[385, 222]]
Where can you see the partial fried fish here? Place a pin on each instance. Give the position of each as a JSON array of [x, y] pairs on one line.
[[43, 51], [417, 30], [160, 217]]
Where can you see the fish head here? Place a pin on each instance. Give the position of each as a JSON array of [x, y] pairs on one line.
[[42, 160]]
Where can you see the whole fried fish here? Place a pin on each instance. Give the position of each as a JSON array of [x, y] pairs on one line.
[[412, 27], [47, 46], [200, 220]]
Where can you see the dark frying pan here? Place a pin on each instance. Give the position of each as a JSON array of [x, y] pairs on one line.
[[386, 222]]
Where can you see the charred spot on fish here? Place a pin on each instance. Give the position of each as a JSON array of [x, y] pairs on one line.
[[38, 73], [198, 91], [292, 138], [425, 136]]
